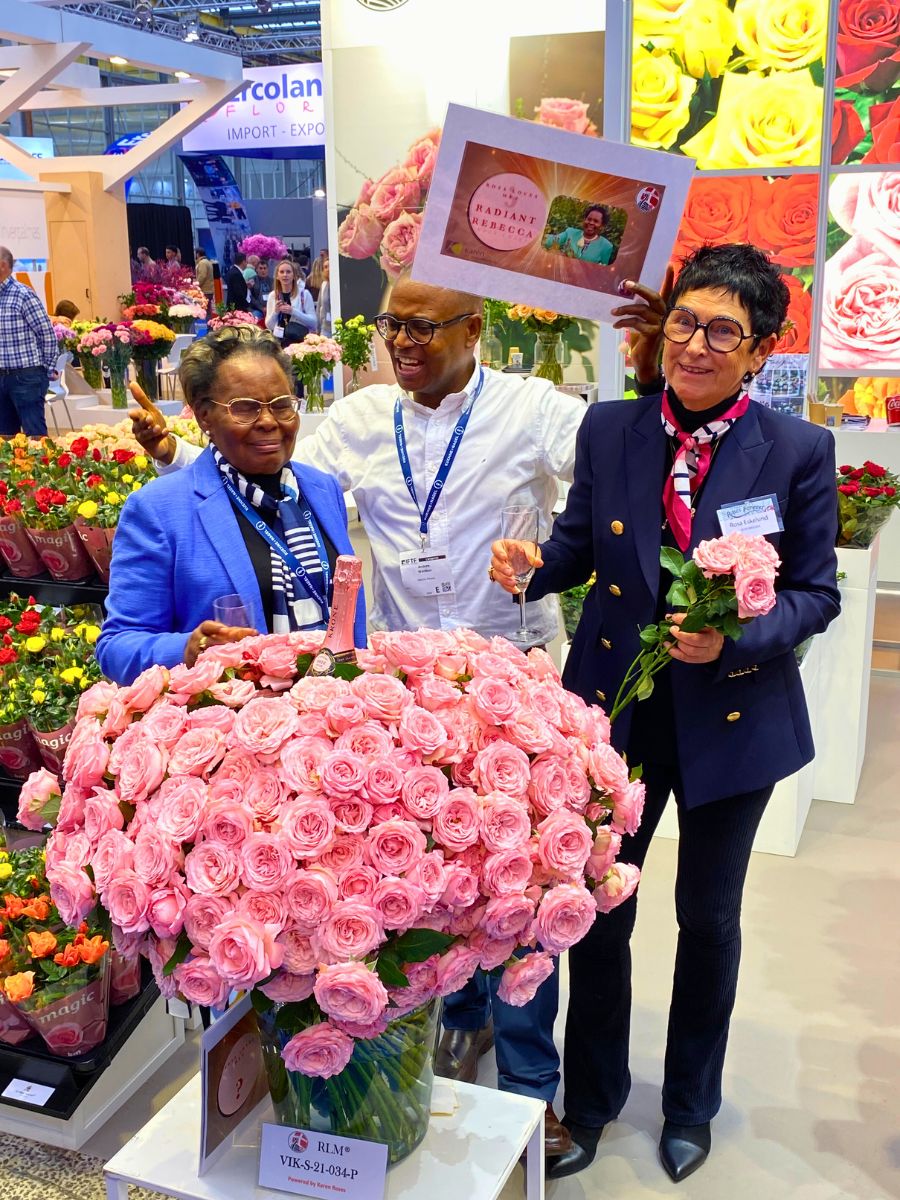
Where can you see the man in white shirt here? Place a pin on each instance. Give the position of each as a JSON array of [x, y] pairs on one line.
[[518, 441]]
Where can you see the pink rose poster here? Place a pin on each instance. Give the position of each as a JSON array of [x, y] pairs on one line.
[[540, 216]]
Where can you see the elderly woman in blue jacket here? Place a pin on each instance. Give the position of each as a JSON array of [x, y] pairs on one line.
[[242, 519], [588, 242]]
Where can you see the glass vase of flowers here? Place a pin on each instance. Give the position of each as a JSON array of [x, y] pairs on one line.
[[152, 342], [310, 360], [355, 340], [548, 328]]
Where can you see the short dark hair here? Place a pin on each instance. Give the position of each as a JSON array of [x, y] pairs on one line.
[[744, 272], [239, 257], [200, 363], [67, 309], [174, 249], [600, 208]]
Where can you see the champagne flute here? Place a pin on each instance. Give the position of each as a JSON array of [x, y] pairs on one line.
[[520, 523]]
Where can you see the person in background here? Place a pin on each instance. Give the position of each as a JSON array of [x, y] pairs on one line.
[[323, 301], [236, 291], [726, 719], [173, 254], [65, 312], [588, 242], [205, 277], [317, 274], [28, 354], [144, 257], [250, 267], [264, 279], [184, 541], [290, 311], [251, 274]]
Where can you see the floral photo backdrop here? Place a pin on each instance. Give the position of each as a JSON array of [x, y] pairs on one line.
[[731, 83], [866, 123]]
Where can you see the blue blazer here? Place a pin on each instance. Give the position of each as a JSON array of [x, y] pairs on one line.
[[741, 722], [177, 548]]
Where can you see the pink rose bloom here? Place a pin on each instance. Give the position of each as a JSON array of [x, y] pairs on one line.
[[320, 1051], [101, 813], [521, 979], [226, 822], [368, 740], [234, 693], [142, 772], [309, 897], [73, 849], [263, 726], [237, 767], [422, 156], [203, 915], [129, 945], [183, 801], [756, 552], [165, 723], [492, 952], [398, 245], [505, 822], [347, 850], [565, 114], [421, 731], [506, 873], [350, 992], [457, 823], [358, 883], [564, 916], [541, 666], [352, 815], [72, 892], [616, 887], [398, 189], [243, 951], [716, 557], [352, 929], [434, 694], [530, 733], [278, 659], [343, 773], [115, 850], [384, 696], [39, 800], [496, 666], [430, 875], [469, 641], [159, 953], [302, 762], [384, 782], [300, 957], [121, 748], [266, 862], [607, 844], [494, 700], [213, 716], [127, 900], [312, 694], [398, 902], [359, 234], [147, 688], [564, 843], [165, 910], [503, 768], [755, 593], [628, 808], [199, 982], [307, 827], [596, 725], [344, 713], [425, 791], [450, 665], [155, 857], [464, 773], [411, 653], [95, 701], [87, 755], [268, 908], [197, 752], [192, 681], [394, 846], [608, 769], [455, 969], [508, 917], [861, 304], [365, 192], [460, 887], [265, 793], [212, 869], [286, 988], [118, 718]]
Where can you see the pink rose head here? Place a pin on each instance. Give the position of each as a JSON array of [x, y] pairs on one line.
[[430, 874], [142, 771], [456, 825], [616, 886], [165, 910], [756, 552], [350, 992], [508, 917], [494, 700], [147, 688], [347, 850], [565, 114], [308, 899], [564, 916], [39, 800], [521, 979], [422, 732], [530, 733], [113, 852], [861, 306], [549, 783], [564, 843], [302, 762], [192, 681], [492, 952], [164, 723], [200, 983], [367, 739], [411, 653], [421, 158], [396, 191], [351, 815], [95, 701], [343, 773], [716, 557], [307, 827], [425, 791], [266, 862], [226, 822], [460, 887], [358, 883], [263, 726], [344, 713], [286, 988], [87, 755], [183, 804], [505, 822], [628, 808], [608, 769], [234, 693], [155, 856], [312, 694], [607, 844], [213, 716], [398, 902], [360, 233], [398, 245], [203, 915], [503, 768], [127, 900], [72, 892], [755, 592], [265, 794], [101, 813], [268, 908], [394, 846], [352, 929], [243, 951], [506, 873], [384, 696], [212, 869], [320, 1051], [455, 969]]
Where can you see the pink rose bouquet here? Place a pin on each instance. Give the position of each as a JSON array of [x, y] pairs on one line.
[[726, 582]]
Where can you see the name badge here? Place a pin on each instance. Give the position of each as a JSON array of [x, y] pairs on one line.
[[427, 573], [760, 514], [278, 332]]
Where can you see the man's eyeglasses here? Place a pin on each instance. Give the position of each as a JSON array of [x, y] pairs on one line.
[[723, 334], [244, 411], [417, 329]]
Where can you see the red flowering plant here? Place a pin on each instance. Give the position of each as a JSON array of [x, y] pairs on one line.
[[867, 495]]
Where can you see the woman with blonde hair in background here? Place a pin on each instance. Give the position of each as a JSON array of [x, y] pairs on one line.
[[290, 309]]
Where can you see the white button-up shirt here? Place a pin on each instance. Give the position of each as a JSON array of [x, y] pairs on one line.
[[520, 440]]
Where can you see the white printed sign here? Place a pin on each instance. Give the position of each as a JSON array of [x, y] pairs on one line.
[[321, 1164], [279, 108], [27, 1092], [23, 225]]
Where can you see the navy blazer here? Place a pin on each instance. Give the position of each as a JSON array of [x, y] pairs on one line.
[[177, 548], [741, 722]]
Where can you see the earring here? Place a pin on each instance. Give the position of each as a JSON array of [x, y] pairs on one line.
[[748, 378]]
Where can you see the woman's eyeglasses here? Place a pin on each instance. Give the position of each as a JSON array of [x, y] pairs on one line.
[[244, 411], [722, 334], [417, 329]]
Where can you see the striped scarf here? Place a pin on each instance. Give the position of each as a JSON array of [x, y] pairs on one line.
[[691, 464], [292, 607]]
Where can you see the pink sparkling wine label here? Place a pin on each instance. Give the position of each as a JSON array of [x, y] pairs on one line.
[[507, 211]]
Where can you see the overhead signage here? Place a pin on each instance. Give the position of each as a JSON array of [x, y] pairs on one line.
[[39, 147], [278, 108]]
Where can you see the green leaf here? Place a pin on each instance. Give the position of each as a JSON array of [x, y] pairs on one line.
[[291, 1017], [693, 577], [677, 595], [672, 560], [817, 70], [418, 944], [182, 949], [731, 626], [388, 971], [644, 688], [649, 635], [636, 773], [695, 620], [347, 671]]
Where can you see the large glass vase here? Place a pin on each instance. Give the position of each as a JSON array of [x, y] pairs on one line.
[[382, 1095], [548, 357], [117, 385], [148, 377]]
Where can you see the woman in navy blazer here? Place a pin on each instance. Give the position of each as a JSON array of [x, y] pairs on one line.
[[727, 719], [183, 541]]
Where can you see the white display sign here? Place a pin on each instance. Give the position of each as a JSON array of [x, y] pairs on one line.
[[278, 108], [36, 146], [317, 1164], [27, 1092], [23, 225]]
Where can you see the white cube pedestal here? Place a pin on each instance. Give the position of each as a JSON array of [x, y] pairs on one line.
[[846, 672]]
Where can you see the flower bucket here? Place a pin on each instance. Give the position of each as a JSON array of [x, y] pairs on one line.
[[19, 753], [548, 357], [124, 977], [98, 543], [62, 552], [382, 1095], [18, 550], [75, 1022], [13, 1026], [52, 744]]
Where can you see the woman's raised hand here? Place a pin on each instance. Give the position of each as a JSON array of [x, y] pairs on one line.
[[149, 427], [501, 570], [645, 320], [213, 633]]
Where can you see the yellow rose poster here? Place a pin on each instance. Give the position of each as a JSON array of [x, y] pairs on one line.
[[731, 83], [541, 216]]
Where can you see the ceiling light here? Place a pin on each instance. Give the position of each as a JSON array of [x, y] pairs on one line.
[[191, 29], [182, 75], [143, 11], [319, 193], [118, 60]]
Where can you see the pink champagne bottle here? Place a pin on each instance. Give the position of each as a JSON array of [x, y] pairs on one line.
[[338, 646]]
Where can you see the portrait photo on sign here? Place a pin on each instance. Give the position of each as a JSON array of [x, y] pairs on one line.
[[544, 217]]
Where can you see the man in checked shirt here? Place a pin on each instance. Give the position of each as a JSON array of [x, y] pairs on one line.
[[28, 353]]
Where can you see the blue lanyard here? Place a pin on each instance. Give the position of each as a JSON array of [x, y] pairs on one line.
[[293, 563], [446, 462]]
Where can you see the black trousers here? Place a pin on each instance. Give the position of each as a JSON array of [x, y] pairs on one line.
[[713, 854]]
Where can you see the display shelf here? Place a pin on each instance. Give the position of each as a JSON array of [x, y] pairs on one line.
[[54, 591]]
